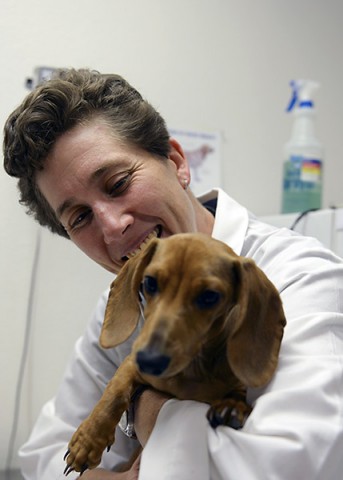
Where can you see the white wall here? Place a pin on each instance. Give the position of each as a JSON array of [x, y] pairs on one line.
[[209, 65]]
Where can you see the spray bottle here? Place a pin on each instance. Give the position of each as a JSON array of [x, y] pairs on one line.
[[303, 153]]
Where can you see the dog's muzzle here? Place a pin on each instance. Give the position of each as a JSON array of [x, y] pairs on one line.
[[151, 362]]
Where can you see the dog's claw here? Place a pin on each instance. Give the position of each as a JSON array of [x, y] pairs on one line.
[[66, 454], [215, 419], [83, 469], [230, 413], [68, 470], [108, 448], [234, 422]]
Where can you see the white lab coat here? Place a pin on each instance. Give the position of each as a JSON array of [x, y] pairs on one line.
[[295, 431]]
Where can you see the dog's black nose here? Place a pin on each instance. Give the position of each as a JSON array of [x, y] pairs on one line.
[[152, 363]]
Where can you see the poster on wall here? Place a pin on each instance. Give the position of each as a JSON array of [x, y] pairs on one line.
[[203, 151]]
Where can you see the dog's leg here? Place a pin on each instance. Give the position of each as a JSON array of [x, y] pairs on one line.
[[97, 431]]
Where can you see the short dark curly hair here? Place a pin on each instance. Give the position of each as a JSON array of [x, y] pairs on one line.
[[70, 98]]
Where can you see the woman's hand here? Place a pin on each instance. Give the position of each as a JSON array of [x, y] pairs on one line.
[[147, 408], [101, 474]]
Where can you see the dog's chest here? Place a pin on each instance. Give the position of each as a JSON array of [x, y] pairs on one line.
[[206, 379]]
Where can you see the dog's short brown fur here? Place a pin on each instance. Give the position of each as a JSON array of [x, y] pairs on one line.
[[214, 319]]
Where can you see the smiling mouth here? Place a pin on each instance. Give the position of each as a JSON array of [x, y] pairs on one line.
[[156, 233]]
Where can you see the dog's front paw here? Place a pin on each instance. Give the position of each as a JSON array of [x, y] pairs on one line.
[[86, 447], [230, 412]]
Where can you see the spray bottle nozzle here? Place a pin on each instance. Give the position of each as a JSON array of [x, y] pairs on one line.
[[302, 91]]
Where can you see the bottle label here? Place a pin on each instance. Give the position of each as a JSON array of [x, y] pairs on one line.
[[302, 169], [311, 170], [302, 184]]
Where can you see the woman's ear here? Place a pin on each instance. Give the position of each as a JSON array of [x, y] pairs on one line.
[[178, 157]]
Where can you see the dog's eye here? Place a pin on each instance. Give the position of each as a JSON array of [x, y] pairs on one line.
[[207, 299], [150, 285]]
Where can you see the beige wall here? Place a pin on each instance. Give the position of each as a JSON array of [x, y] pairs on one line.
[[209, 65]]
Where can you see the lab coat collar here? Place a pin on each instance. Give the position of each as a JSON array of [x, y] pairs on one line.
[[231, 219]]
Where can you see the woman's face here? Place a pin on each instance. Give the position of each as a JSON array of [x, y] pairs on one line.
[[112, 197]]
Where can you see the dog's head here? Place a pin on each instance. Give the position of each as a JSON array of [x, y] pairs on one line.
[[196, 287]]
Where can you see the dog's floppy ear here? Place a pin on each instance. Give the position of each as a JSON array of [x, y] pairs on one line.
[[122, 310], [256, 323]]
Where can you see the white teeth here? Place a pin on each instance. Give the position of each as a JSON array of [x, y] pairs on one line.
[[153, 234]]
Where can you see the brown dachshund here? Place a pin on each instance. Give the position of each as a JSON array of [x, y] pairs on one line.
[[213, 327]]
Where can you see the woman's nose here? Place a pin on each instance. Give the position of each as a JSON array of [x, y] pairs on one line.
[[112, 222]]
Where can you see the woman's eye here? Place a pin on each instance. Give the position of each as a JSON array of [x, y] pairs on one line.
[[119, 186], [79, 219]]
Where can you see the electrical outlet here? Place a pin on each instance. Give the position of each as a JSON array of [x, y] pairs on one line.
[[40, 75]]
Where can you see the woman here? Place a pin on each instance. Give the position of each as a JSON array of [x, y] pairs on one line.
[[95, 164]]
